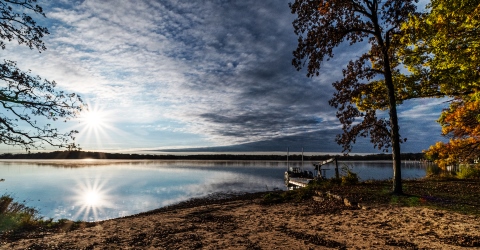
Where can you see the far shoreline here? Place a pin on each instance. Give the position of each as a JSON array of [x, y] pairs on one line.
[[64, 155]]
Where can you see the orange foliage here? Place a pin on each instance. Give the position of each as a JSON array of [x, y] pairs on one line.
[[461, 123]]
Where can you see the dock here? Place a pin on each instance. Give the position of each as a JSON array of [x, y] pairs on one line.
[[296, 177], [299, 182]]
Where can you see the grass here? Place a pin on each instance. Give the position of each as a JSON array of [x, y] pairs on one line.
[[468, 172], [15, 215], [455, 195], [15, 218]]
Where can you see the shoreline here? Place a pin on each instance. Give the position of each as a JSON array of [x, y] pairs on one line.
[[245, 222]]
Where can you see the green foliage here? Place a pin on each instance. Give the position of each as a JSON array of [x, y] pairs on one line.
[[433, 170], [14, 215], [349, 177], [442, 52], [272, 198], [451, 194], [371, 81], [442, 49], [469, 171]]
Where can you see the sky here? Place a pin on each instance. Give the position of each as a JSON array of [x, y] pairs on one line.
[[198, 76]]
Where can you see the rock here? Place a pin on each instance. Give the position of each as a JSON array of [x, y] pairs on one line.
[[334, 196], [349, 203], [318, 198], [362, 206]]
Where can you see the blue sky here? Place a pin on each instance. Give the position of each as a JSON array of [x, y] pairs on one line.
[[195, 74]]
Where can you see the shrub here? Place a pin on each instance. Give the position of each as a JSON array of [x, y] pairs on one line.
[[469, 172], [433, 170], [349, 177], [272, 198], [14, 215]]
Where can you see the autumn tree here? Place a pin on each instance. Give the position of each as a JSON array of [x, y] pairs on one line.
[[24, 96], [370, 82], [442, 48], [442, 51], [461, 124]]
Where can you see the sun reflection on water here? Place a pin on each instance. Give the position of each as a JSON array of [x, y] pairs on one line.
[[92, 198]]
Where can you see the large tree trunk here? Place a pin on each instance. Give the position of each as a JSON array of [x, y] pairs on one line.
[[392, 104], [396, 157], [394, 133]]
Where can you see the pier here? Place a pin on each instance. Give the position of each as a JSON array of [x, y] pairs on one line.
[[299, 182]]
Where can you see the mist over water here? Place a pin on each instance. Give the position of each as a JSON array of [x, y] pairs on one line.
[[94, 190]]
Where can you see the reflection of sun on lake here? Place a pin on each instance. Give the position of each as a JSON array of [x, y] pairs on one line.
[[91, 198]]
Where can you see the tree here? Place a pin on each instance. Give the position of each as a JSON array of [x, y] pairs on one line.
[[461, 123], [442, 51], [24, 96], [371, 82]]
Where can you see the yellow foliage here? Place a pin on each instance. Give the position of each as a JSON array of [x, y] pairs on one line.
[[461, 122]]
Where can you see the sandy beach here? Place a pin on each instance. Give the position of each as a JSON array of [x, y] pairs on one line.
[[246, 223]]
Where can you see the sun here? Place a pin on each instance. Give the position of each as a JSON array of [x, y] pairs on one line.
[[95, 126], [93, 119]]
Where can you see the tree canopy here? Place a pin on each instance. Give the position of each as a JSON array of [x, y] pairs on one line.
[[24, 96], [460, 123], [442, 51], [370, 82]]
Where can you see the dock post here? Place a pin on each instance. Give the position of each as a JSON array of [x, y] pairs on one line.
[[288, 164], [337, 175]]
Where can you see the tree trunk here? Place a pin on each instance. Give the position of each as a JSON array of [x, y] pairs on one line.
[[394, 133], [392, 103], [396, 157]]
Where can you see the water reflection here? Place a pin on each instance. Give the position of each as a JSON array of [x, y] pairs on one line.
[[91, 198], [103, 189]]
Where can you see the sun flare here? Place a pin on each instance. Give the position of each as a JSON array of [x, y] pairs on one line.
[[91, 199], [93, 119]]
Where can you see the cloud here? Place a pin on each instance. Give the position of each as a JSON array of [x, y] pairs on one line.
[[207, 65], [219, 70]]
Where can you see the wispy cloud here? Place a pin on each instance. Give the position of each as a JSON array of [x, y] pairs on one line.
[[218, 70]]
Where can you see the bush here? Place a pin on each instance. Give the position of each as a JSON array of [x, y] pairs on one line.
[[433, 170], [272, 198], [349, 177], [469, 172], [14, 215]]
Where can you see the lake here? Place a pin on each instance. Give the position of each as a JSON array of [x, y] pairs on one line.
[[92, 190]]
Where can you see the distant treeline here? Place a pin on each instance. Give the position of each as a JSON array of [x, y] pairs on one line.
[[118, 156]]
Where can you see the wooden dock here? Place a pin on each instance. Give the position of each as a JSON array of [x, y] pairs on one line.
[[299, 182]]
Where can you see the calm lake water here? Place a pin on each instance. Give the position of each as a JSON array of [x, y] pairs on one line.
[[102, 189]]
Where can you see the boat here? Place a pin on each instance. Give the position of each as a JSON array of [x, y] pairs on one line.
[[296, 176]]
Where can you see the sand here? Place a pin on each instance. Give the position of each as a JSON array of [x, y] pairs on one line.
[[247, 223]]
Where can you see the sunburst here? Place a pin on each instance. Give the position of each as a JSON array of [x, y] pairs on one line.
[[92, 197], [93, 119], [94, 127]]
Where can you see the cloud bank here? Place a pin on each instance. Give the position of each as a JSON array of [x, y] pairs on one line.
[[197, 74]]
